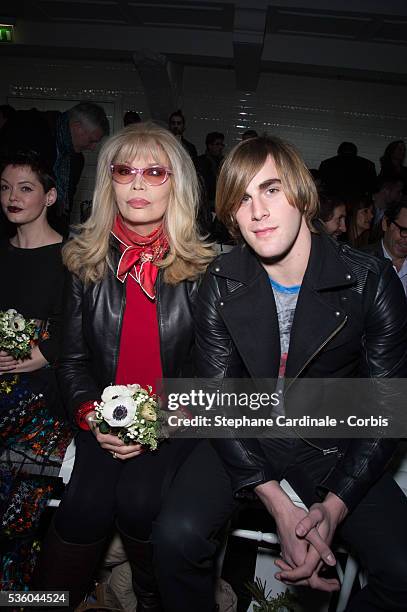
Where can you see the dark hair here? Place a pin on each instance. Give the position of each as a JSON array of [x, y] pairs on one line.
[[385, 159], [7, 111], [249, 134], [91, 113], [177, 113], [347, 148], [212, 136], [353, 205], [392, 211], [386, 182], [38, 165], [327, 205], [131, 117]]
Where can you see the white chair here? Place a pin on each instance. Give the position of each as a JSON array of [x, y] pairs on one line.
[[346, 577], [399, 466]]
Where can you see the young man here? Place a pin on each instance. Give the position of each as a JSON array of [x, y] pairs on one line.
[[291, 302]]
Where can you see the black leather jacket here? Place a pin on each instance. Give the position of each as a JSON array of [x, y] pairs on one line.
[[350, 320], [93, 317]]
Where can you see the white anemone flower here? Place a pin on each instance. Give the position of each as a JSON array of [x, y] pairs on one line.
[[119, 412], [115, 391], [11, 312], [18, 323]]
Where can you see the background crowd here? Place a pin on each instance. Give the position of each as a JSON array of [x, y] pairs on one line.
[[41, 164]]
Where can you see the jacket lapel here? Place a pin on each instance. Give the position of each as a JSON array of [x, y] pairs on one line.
[[317, 319], [249, 310], [249, 313]]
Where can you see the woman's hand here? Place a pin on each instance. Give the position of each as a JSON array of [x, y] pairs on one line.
[[7, 362], [113, 444], [35, 361]]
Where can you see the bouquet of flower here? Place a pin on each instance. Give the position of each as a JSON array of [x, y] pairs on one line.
[[131, 413], [283, 602], [16, 334]]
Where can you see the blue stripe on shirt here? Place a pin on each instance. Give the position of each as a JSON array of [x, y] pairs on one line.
[[283, 289]]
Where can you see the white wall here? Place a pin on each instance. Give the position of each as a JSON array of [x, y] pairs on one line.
[[316, 114]]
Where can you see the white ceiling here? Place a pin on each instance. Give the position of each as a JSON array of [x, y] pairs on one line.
[[363, 39]]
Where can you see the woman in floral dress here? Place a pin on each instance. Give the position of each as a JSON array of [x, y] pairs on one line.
[[33, 434]]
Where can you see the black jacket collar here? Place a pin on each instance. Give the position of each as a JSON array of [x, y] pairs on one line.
[[326, 269], [250, 313]]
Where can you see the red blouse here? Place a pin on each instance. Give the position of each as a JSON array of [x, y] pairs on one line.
[[139, 353]]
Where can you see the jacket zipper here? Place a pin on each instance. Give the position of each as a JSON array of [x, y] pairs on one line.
[[119, 335], [334, 449], [159, 317]]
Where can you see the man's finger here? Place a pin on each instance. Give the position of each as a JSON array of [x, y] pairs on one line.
[[313, 518], [304, 571], [283, 565], [297, 573], [324, 584], [321, 547], [320, 584]]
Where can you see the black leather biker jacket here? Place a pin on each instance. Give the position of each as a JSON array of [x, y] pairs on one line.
[[93, 316], [350, 321]]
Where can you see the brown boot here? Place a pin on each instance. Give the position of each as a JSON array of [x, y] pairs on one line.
[[140, 556], [63, 566]]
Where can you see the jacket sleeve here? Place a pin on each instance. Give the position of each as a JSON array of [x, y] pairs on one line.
[[384, 357], [75, 376], [215, 358]]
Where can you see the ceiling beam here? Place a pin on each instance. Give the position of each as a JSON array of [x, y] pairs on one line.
[[248, 40]]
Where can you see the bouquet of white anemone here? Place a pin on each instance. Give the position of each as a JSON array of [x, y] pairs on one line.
[[131, 413], [16, 334]]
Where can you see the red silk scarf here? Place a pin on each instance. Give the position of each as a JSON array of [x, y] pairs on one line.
[[139, 254]]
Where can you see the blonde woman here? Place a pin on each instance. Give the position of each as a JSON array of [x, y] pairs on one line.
[[129, 319]]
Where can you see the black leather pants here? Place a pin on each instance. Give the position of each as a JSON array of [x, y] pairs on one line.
[[179, 497]]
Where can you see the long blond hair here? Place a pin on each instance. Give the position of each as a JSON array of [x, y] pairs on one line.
[[87, 254], [242, 164]]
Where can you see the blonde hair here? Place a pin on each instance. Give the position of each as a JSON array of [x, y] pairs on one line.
[[87, 254], [246, 160]]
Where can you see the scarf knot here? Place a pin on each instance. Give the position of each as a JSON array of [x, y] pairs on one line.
[[139, 255]]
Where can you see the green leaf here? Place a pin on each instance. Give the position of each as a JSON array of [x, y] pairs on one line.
[[104, 427], [283, 602]]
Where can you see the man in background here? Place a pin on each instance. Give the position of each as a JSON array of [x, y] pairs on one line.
[[347, 172], [176, 125], [332, 212], [60, 139], [209, 164], [393, 245], [131, 117]]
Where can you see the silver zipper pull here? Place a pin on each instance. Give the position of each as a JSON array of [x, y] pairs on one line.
[[329, 451]]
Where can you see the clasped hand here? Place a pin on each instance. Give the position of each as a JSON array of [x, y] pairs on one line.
[[17, 366], [305, 548], [112, 443], [305, 536]]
